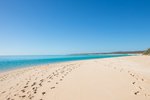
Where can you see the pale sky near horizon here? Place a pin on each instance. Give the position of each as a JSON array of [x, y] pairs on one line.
[[39, 27]]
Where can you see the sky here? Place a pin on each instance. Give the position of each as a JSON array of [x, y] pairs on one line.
[[50, 27]]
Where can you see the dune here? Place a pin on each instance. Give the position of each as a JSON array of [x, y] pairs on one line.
[[121, 78]]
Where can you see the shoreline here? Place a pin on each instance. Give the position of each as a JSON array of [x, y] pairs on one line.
[[38, 65], [117, 78]]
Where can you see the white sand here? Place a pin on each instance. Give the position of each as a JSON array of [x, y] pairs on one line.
[[123, 78]]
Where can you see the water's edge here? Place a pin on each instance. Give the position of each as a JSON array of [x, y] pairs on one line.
[[14, 62]]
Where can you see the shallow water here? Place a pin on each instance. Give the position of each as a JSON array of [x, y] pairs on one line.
[[13, 62]]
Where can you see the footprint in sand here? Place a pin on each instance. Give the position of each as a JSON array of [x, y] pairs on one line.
[[43, 93], [52, 87], [142, 79], [136, 92], [40, 84], [133, 82], [48, 81], [27, 83], [42, 80], [30, 96], [34, 88], [8, 98], [33, 84], [25, 86], [23, 90], [3, 92], [23, 96], [140, 88], [132, 75]]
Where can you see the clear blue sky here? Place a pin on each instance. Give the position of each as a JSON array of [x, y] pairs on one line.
[[73, 26]]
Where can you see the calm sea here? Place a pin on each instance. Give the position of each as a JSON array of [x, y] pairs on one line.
[[13, 62]]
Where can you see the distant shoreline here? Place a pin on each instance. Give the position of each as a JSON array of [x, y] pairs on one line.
[[119, 52], [14, 62]]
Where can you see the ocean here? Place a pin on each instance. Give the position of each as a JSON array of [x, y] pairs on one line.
[[14, 62]]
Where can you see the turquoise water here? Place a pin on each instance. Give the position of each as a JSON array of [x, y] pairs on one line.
[[13, 62]]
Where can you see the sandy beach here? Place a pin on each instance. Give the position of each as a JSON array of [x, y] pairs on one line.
[[121, 78]]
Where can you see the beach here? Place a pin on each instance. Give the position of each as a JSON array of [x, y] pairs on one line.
[[120, 78]]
